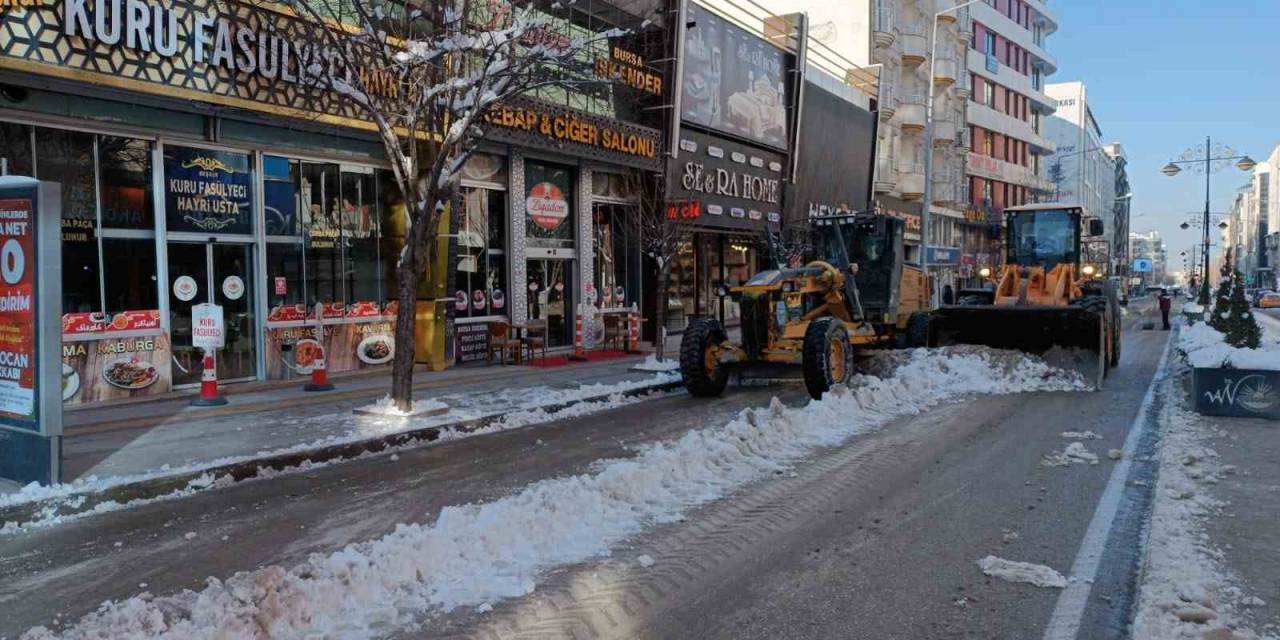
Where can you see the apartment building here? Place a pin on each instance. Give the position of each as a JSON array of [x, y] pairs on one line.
[[1081, 171], [901, 32], [1118, 232], [1253, 222], [1007, 64], [1150, 245]]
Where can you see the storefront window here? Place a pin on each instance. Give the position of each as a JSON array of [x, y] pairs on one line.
[[66, 157], [617, 255], [480, 284], [359, 219], [130, 274], [207, 191], [319, 195], [15, 149], [124, 167], [286, 282], [548, 196]]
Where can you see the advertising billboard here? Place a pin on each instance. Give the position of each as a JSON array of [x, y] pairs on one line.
[[837, 150], [734, 81]]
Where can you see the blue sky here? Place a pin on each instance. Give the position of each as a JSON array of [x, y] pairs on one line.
[[1161, 76]]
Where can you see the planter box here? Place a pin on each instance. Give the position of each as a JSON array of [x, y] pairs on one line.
[[1238, 393]]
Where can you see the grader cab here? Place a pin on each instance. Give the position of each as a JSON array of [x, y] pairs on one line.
[[856, 293]]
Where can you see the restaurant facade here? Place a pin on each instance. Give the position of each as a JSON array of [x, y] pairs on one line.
[[195, 175]]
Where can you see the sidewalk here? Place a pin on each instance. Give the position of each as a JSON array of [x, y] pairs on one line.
[[165, 443], [1212, 567]]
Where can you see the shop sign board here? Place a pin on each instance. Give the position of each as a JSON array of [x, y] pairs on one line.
[[208, 328], [471, 342], [723, 183], [229, 52], [734, 81], [943, 255], [207, 191], [30, 315], [1142, 265], [833, 173], [536, 124]]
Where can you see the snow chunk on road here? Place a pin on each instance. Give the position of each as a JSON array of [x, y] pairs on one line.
[[1075, 453], [1014, 571], [653, 364], [387, 407], [1081, 435], [476, 553], [645, 560]]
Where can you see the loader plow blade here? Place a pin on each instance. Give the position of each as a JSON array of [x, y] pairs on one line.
[[1066, 337]]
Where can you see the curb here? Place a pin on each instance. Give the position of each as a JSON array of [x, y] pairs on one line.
[[252, 468]]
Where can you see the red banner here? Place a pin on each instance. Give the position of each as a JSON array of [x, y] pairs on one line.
[[17, 309]]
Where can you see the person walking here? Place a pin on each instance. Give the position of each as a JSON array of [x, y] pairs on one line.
[[1165, 303], [948, 295]]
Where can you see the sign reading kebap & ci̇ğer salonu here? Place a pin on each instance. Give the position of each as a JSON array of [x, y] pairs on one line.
[[30, 323]]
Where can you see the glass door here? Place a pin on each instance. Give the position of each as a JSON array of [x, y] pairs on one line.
[[188, 286], [232, 287], [221, 273], [551, 298]]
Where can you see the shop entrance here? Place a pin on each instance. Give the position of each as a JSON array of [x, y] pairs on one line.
[[551, 298], [221, 272]]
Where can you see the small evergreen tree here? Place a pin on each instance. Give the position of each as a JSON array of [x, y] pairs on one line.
[[1239, 325], [1221, 301]]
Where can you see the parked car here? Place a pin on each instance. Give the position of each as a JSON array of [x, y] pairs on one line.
[[1269, 300], [1256, 297]]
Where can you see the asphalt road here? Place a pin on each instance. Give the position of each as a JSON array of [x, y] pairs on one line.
[[877, 538]]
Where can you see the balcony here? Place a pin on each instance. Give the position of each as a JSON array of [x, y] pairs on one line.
[[944, 132], [945, 71], [886, 176], [882, 31], [911, 180], [944, 192], [915, 48], [911, 113], [888, 102], [964, 84], [962, 140]]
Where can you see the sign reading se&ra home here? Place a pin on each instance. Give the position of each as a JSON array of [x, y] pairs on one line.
[[728, 184], [223, 51]]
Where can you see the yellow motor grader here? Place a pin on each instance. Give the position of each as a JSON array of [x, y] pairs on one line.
[[819, 315], [1044, 300]]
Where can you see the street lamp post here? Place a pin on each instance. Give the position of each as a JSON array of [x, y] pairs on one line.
[[1207, 164], [928, 144]]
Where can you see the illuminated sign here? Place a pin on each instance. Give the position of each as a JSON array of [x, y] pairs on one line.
[[538, 124]]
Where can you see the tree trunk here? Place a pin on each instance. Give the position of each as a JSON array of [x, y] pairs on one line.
[[660, 311], [402, 364]]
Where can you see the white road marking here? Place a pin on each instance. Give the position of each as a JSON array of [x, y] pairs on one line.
[[1069, 612]]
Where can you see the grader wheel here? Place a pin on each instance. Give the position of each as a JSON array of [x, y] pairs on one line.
[[703, 376], [828, 357]]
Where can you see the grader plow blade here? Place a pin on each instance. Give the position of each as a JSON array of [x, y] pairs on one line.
[[1067, 337]]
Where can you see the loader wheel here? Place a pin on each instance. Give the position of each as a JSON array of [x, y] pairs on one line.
[[827, 357], [918, 329], [1098, 304], [703, 376]]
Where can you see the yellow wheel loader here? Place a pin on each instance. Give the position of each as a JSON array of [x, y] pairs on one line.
[[817, 316], [1044, 300]]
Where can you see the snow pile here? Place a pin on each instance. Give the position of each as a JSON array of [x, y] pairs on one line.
[[516, 408], [387, 407], [1014, 571], [1081, 435], [1074, 453], [1203, 346], [652, 363], [1183, 582], [477, 553]]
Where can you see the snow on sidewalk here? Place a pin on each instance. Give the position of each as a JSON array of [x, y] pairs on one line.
[[475, 554], [512, 409], [1186, 591]]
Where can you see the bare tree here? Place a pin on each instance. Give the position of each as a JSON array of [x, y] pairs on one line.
[[428, 75], [662, 228]]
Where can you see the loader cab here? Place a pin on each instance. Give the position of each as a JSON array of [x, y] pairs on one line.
[[1043, 235]]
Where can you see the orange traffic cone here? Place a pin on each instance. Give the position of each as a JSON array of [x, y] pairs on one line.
[[319, 377], [208, 384]]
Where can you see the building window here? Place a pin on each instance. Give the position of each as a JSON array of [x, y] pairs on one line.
[[480, 284], [990, 43], [66, 157], [15, 149], [989, 98]]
